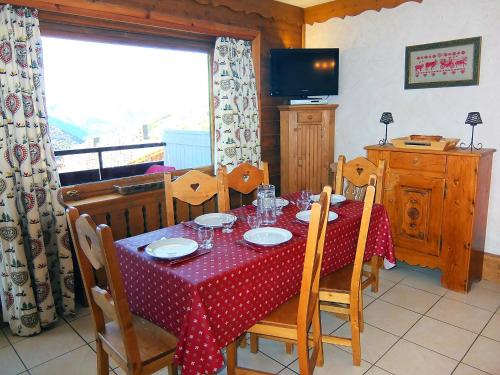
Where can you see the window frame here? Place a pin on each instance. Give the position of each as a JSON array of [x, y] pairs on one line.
[[136, 36]]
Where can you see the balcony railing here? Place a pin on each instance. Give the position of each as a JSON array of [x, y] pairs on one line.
[[102, 173]]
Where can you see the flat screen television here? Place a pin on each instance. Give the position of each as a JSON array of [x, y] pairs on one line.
[[305, 72]]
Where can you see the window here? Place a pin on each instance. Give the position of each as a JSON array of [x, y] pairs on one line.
[[102, 95]]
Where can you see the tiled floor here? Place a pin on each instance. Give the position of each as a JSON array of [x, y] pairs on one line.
[[413, 326]]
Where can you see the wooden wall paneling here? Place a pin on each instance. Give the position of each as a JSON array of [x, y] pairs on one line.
[[118, 223], [136, 220], [343, 8], [152, 216]]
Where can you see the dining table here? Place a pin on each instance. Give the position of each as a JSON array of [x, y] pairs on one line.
[[211, 300]]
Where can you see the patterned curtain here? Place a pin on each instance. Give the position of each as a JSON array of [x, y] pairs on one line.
[[237, 138], [36, 269]]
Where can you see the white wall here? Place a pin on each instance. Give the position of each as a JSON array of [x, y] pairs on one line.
[[372, 53]]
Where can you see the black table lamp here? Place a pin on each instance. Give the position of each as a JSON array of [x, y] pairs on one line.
[[385, 119], [473, 119]]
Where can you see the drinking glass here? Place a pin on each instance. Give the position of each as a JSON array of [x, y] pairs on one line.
[[205, 237], [305, 195], [254, 221], [303, 204], [227, 223], [279, 207]]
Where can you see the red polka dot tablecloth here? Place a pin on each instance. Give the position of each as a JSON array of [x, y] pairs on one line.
[[209, 301]]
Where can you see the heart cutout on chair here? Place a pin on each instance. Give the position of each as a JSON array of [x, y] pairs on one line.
[[359, 170], [246, 177], [195, 186]]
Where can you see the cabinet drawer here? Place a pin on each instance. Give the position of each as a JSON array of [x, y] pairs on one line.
[[312, 116], [421, 162]]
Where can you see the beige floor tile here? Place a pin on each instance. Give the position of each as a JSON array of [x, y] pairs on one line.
[[287, 371], [463, 369], [48, 345], [374, 342], [276, 350], [330, 322], [337, 361], [377, 371], [441, 337], [79, 312], [390, 318], [395, 274], [429, 281], [495, 287], [383, 286], [492, 329], [480, 297], [410, 298], [11, 337], [3, 340], [460, 315], [484, 355], [81, 361], [83, 327], [10, 364], [406, 358]]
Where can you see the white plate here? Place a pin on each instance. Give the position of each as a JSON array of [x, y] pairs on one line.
[[268, 236], [334, 199], [279, 202], [305, 216], [214, 220], [171, 248]]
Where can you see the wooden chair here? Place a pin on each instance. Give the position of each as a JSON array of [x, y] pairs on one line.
[[138, 346], [291, 321], [340, 292], [351, 180], [244, 179], [194, 188]]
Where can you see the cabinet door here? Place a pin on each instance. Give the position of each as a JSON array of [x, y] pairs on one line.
[[309, 156], [415, 205]]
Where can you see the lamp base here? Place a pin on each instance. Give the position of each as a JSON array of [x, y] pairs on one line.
[[471, 146]]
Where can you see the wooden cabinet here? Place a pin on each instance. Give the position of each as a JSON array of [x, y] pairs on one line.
[[438, 205], [307, 138]]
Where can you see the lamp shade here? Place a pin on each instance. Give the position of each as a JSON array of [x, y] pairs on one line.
[[473, 118], [386, 118]]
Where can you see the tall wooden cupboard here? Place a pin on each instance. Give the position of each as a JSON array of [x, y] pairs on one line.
[[307, 140], [437, 203]]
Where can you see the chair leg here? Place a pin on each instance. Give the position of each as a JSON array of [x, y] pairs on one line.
[[318, 336], [102, 359], [243, 341], [232, 360], [254, 343], [356, 345], [172, 369], [375, 266], [289, 347], [361, 318]]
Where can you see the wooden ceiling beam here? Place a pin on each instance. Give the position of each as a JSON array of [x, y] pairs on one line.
[[343, 8]]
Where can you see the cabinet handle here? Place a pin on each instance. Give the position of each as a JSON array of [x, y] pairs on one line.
[[309, 117], [299, 162]]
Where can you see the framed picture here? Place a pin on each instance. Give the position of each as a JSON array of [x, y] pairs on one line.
[[443, 64]]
